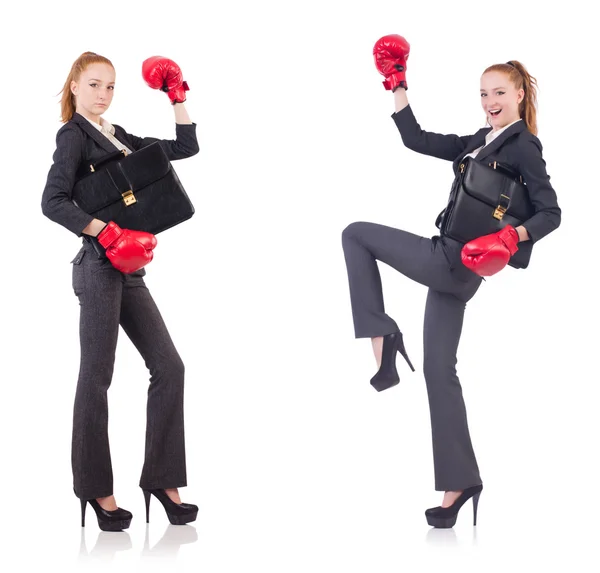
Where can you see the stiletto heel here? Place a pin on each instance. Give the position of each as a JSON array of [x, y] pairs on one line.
[[178, 513], [475, 504], [115, 520], [147, 499], [445, 517], [402, 351], [387, 375]]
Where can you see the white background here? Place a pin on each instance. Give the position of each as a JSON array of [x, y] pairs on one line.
[[297, 464]]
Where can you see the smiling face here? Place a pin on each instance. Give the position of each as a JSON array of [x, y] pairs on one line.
[[500, 99], [94, 90]]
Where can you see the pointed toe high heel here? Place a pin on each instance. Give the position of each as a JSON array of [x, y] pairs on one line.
[[445, 517], [387, 375], [178, 513], [115, 520]]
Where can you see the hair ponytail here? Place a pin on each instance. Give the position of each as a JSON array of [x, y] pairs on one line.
[[67, 102], [521, 78]]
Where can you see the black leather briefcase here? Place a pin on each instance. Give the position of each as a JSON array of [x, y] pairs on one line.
[[483, 200], [138, 191]]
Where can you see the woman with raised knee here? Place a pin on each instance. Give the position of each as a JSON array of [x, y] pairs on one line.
[[451, 270]]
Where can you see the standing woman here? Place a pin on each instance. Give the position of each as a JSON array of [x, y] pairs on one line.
[[452, 271], [108, 279]]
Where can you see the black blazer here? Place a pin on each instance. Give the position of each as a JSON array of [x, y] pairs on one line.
[[516, 147], [77, 143]]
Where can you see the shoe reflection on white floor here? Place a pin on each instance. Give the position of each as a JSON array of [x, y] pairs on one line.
[[106, 546], [442, 537], [168, 546]]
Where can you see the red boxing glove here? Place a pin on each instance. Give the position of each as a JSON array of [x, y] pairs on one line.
[[391, 53], [127, 250], [164, 74], [489, 254]]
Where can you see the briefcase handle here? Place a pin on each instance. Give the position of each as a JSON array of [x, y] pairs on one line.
[[506, 170], [110, 157]]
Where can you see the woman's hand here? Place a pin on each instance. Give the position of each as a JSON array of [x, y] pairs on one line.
[[127, 250], [390, 53], [489, 254], [164, 74]]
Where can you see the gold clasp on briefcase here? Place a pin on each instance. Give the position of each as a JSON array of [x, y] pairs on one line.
[[129, 197], [501, 209]]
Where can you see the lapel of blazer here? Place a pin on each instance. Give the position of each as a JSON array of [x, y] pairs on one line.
[[515, 128], [98, 137]]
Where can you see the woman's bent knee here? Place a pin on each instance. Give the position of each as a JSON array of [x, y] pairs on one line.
[[353, 230]]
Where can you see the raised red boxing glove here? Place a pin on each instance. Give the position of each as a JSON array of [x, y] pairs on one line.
[[390, 53], [164, 74], [489, 254], [127, 250]]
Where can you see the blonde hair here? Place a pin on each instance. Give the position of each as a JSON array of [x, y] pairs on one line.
[[67, 103], [521, 78]]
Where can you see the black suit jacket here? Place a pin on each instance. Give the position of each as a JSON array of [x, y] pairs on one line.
[[77, 143], [516, 147]]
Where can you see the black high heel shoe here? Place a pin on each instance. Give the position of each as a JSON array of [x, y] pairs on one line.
[[444, 517], [114, 520], [387, 375], [178, 513]]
